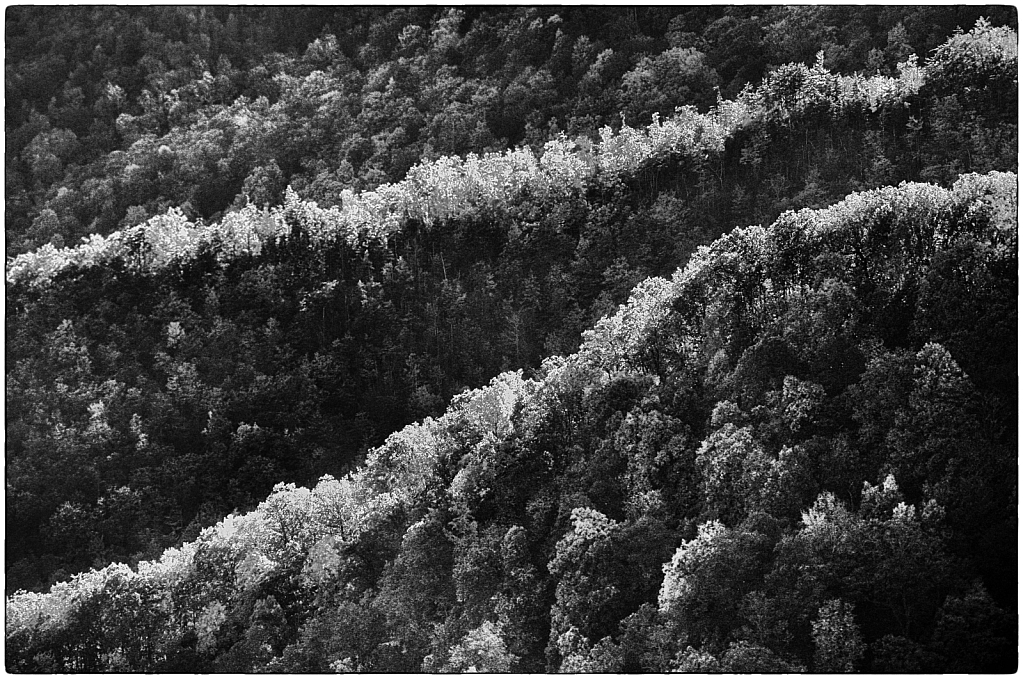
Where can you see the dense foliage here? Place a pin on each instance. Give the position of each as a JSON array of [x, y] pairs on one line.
[[728, 423], [797, 452], [115, 114]]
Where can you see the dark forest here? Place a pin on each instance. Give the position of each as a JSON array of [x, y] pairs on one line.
[[511, 339]]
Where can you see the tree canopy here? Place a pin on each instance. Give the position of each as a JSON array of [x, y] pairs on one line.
[[511, 339]]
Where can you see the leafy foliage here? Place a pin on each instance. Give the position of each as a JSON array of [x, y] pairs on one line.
[[760, 592], [794, 452]]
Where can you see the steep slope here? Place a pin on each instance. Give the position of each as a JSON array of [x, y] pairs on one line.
[[161, 376], [114, 114], [797, 453]]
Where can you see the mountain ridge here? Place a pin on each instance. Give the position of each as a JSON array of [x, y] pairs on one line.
[[397, 478]]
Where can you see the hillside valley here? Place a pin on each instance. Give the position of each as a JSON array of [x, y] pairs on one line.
[[494, 339]]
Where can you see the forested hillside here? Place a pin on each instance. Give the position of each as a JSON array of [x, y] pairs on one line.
[[647, 440], [115, 114]]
